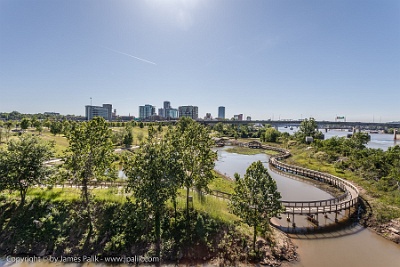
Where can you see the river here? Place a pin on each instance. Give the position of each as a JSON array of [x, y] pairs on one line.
[[378, 140]]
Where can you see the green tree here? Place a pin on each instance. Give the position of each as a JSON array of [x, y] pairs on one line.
[[56, 127], [271, 135], [1, 131], [25, 122], [128, 136], [66, 127], [22, 164], [47, 123], [117, 137], [89, 156], [9, 125], [196, 155], [256, 198], [219, 127], [308, 127], [140, 137], [153, 176], [38, 126]]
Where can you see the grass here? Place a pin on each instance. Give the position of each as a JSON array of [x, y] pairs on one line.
[[250, 151], [54, 194], [217, 208], [222, 183]]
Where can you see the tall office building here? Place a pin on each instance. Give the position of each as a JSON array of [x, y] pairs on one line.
[[171, 113], [96, 111], [221, 113], [109, 111], [167, 111], [189, 111], [146, 111], [161, 112], [167, 104]]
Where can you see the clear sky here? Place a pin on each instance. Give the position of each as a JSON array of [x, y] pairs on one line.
[[265, 59]]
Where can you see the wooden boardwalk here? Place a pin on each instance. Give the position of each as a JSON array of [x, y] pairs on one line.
[[347, 200]]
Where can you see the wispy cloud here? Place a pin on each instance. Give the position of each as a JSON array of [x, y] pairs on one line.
[[122, 53]]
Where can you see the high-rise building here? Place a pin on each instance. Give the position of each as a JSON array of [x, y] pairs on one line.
[[238, 117], [171, 113], [109, 111], [161, 112], [146, 111], [167, 104], [189, 111], [221, 113], [96, 111]]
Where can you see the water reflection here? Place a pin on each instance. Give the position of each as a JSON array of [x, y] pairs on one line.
[[378, 140]]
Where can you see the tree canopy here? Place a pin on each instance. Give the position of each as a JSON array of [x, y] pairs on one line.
[[256, 198], [22, 164]]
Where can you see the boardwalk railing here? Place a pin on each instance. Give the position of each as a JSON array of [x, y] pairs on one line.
[[348, 199]]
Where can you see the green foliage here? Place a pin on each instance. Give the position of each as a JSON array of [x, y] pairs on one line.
[[271, 135], [194, 150], [56, 127], [22, 164], [256, 198], [89, 155], [128, 136], [154, 175], [308, 127], [25, 122]]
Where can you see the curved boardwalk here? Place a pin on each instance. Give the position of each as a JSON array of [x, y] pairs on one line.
[[347, 200]]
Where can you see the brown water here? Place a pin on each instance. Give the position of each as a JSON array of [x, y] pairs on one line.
[[357, 247]]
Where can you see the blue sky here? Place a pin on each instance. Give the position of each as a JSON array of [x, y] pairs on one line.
[[265, 59]]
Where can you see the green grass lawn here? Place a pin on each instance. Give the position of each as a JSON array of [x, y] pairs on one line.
[[250, 151]]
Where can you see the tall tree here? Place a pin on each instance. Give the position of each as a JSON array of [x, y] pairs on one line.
[[56, 127], [38, 126], [197, 157], [128, 136], [308, 127], [271, 135], [89, 155], [9, 125], [22, 164], [256, 198], [25, 122], [154, 177]]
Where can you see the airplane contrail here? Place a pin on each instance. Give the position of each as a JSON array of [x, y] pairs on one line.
[[122, 53]]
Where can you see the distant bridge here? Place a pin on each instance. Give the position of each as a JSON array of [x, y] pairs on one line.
[[321, 124]]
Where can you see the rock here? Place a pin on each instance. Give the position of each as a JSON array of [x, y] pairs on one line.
[[393, 230]]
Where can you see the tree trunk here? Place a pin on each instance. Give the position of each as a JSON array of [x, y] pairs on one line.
[[187, 202], [22, 193], [158, 233], [254, 237]]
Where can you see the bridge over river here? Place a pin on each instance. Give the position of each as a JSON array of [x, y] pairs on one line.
[[345, 201], [321, 124]]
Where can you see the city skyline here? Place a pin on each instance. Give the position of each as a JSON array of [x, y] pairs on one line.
[[280, 60]]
